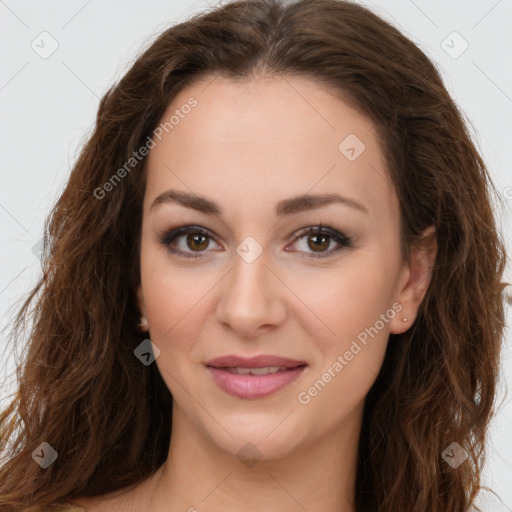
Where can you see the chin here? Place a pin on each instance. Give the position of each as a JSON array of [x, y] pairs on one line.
[[263, 438]]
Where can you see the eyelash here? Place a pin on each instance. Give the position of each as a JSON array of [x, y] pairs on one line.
[[344, 242]]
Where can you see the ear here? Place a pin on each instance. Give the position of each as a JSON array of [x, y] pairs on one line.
[[414, 280], [143, 324]]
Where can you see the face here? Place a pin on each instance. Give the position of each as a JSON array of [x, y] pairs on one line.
[[237, 261]]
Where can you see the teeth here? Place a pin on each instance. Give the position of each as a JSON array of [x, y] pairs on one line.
[[257, 371]]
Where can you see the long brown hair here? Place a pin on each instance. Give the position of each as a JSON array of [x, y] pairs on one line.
[[107, 416]]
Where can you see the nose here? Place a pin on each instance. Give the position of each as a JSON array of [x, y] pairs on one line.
[[252, 299]]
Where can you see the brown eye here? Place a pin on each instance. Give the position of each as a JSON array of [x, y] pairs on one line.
[[189, 241], [318, 242], [197, 242]]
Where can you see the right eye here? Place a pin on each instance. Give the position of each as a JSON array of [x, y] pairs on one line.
[[194, 239]]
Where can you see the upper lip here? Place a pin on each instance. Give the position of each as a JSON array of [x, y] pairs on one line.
[[262, 361]]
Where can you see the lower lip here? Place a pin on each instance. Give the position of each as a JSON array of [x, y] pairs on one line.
[[254, 386]]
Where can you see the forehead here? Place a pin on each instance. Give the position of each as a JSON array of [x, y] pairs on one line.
[[267, 138]]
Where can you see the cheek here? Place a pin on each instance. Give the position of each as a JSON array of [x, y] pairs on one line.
[[356, 307], [175, 298], [355, 303], [346, 301], [172, 305]]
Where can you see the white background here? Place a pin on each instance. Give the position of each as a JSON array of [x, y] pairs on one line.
[[48, 108]]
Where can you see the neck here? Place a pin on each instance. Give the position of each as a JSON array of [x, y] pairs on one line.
[[198, 475]]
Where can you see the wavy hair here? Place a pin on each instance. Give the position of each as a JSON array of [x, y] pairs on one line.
[[82, 390]]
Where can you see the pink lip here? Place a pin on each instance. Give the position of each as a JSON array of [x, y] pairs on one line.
[[254, 386]]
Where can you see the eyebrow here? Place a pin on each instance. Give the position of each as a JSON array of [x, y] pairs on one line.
[[289, 206]]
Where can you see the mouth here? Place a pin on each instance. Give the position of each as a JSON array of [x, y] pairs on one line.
[[256, 377]]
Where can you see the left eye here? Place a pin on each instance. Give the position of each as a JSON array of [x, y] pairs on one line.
[[320, 238], [197, 240]]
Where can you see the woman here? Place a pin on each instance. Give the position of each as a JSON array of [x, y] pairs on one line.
[[273, 282]]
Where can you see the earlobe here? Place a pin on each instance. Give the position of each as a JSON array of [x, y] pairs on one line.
[[419, 272]]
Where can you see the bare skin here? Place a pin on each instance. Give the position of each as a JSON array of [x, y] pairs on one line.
[[247, 146]]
